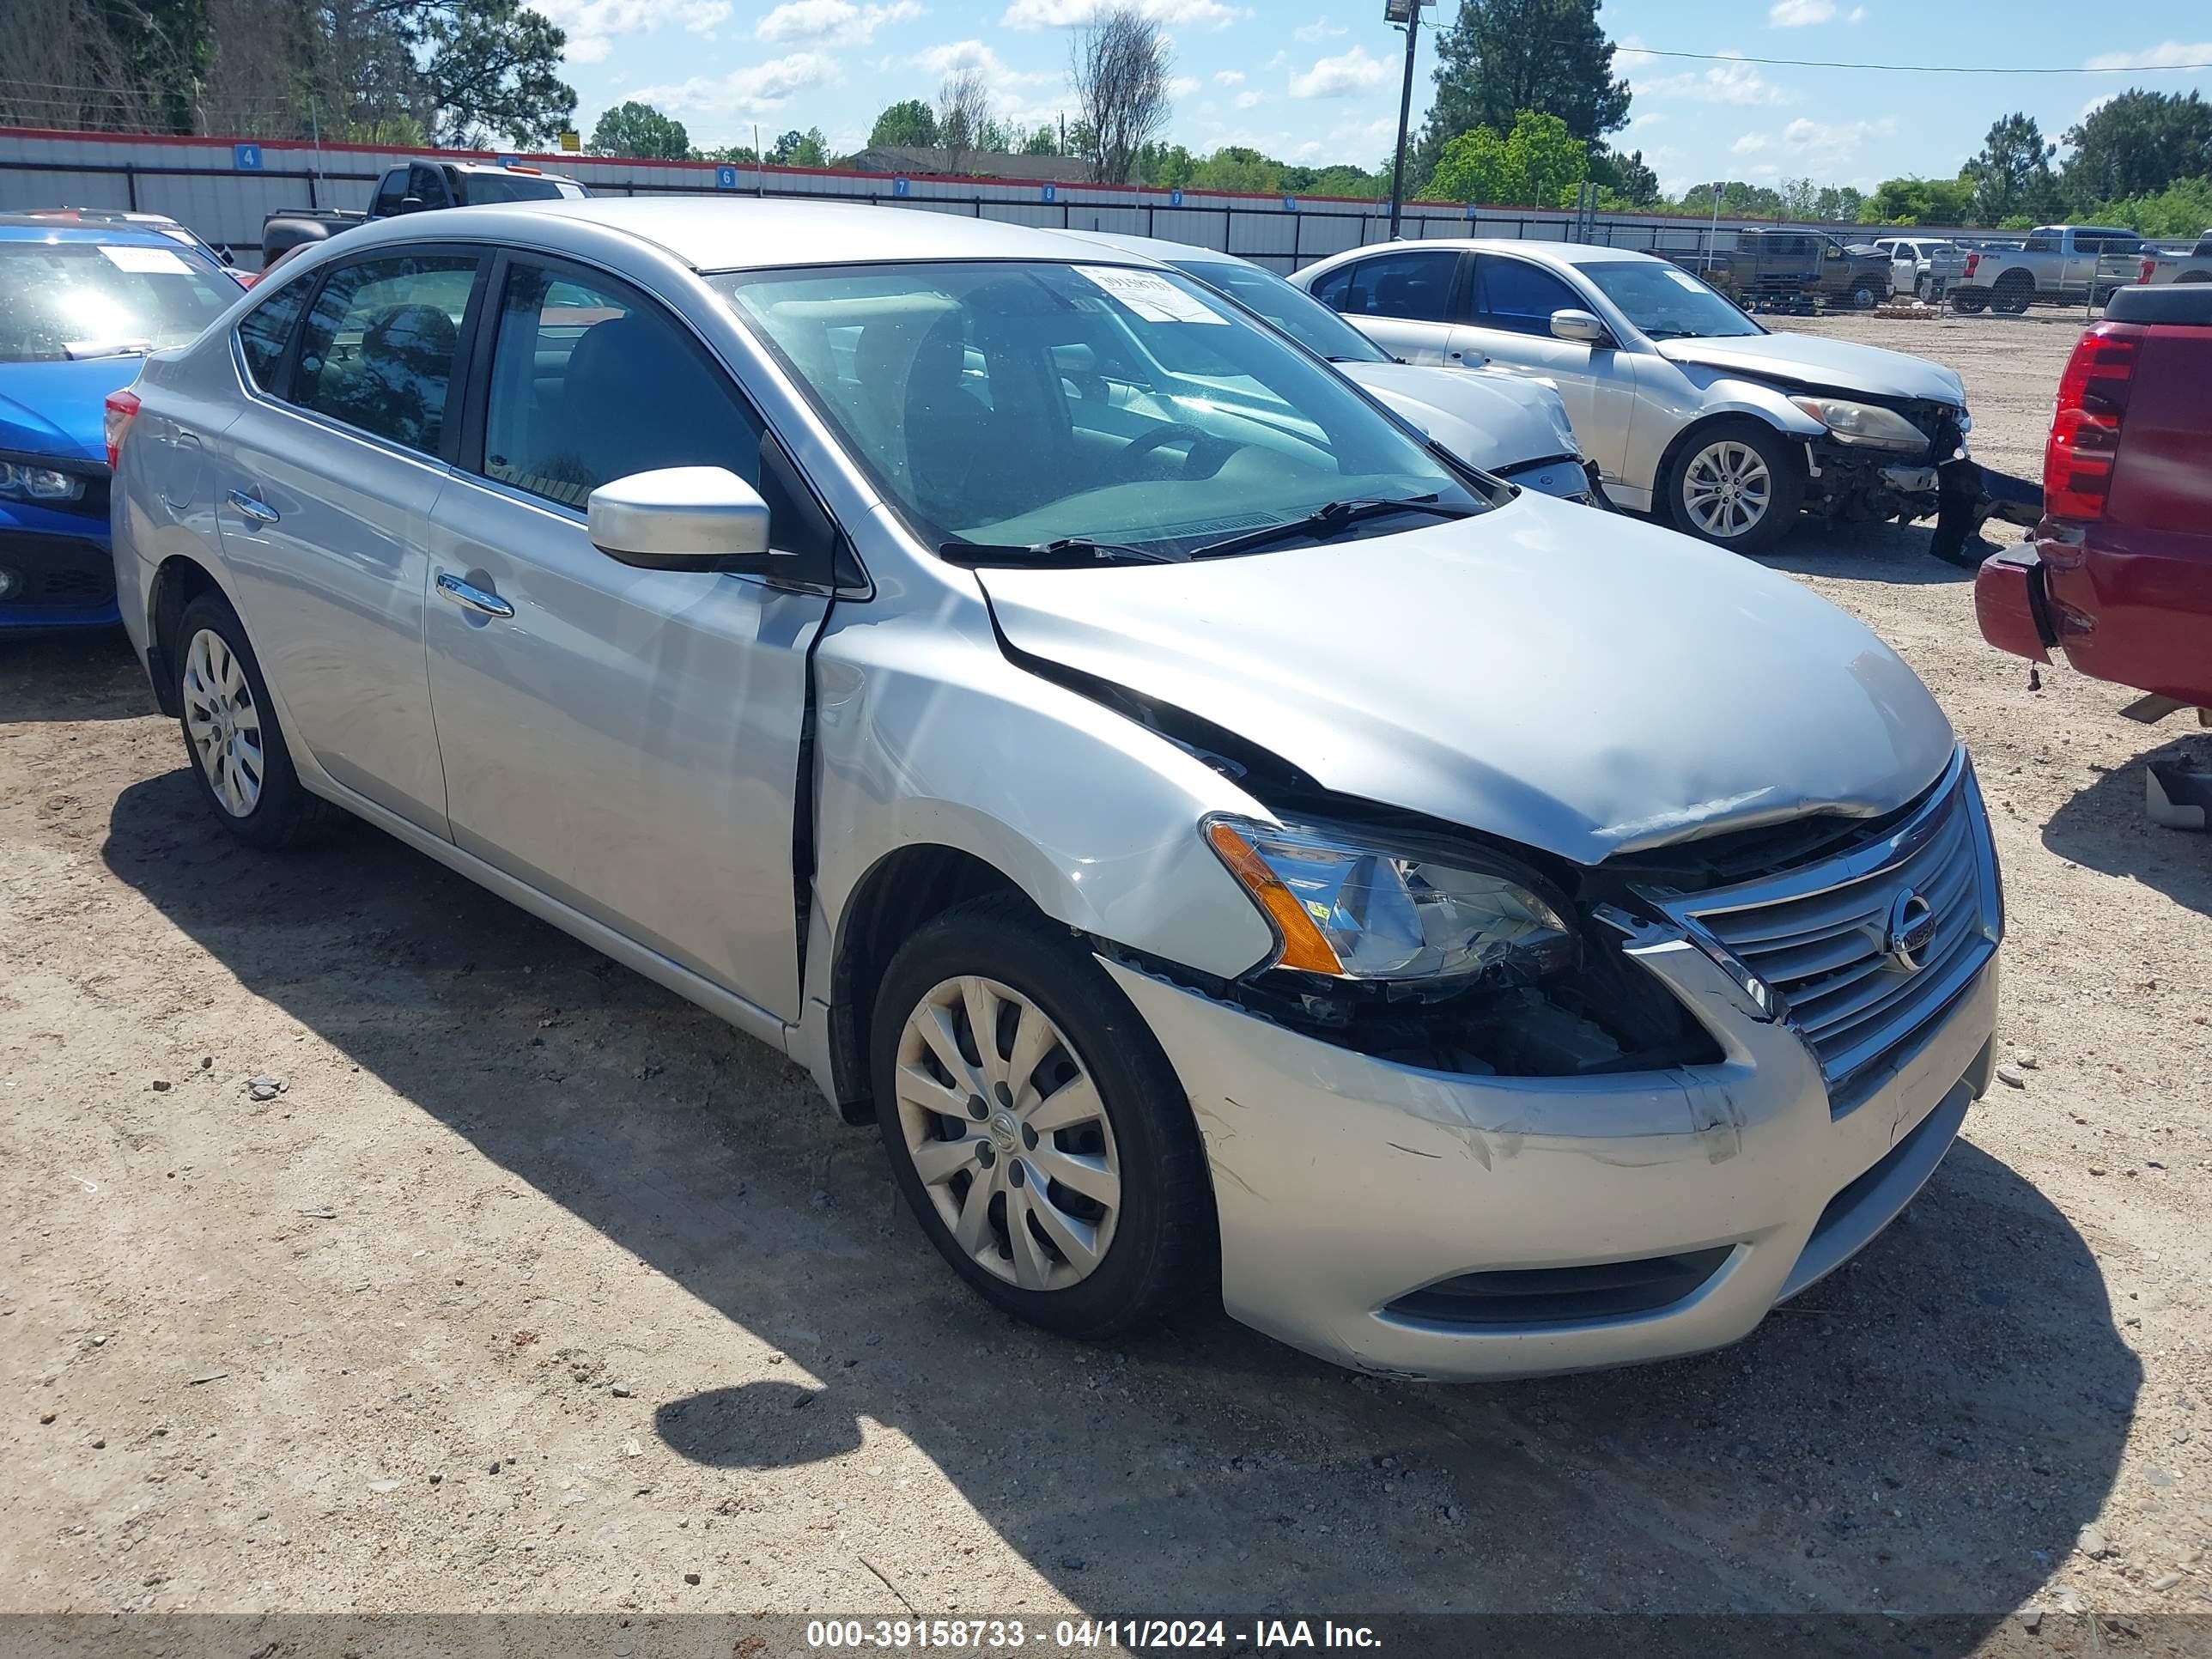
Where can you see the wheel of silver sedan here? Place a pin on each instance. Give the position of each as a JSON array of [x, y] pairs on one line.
[[1726, 489], [222, 722], [1005, 1128]]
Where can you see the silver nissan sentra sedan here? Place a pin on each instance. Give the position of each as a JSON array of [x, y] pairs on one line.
[[1227, 845]]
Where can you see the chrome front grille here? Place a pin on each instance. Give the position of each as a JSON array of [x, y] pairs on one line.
[[1821, 935]]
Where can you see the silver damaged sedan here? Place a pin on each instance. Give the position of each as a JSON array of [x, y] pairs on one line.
[[1227, 846]]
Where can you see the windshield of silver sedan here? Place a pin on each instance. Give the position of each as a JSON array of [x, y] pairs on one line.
[[1018, 412], [1666, 302]]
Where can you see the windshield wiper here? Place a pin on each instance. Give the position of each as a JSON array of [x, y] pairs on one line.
[[1072, 551], [1327, 520]]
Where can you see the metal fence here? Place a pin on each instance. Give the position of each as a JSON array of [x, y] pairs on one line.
[[222, 188]]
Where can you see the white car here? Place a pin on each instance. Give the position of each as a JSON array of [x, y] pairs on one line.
[[1506, 425], [1691, 409], [1922, 267]]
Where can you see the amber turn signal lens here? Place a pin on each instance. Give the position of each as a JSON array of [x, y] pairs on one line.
[[1304, 947]]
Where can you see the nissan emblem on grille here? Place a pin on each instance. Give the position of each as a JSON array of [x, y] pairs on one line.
[[1911, 928]]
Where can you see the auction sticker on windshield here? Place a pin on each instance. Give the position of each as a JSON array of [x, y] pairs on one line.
[[1150, 295], [145, 259], [1683, 279]]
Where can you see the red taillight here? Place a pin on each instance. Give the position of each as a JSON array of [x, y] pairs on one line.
[[2149, 267], [2085, 433], [1974, 263], [122, 409]]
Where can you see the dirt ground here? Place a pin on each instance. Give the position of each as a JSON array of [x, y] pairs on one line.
[[536, 1289]]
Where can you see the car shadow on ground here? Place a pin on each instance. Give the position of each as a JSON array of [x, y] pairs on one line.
[[1885, 552], [1926, 1431], [71, 674], [2105, 827]]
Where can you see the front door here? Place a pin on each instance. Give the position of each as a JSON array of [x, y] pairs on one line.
[[323, 491], [1511, 330], [624, 740]]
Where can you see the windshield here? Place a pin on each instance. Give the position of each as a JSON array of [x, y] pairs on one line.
[[1666, 302], [62, 300], [1017, 405], [1292, 310]]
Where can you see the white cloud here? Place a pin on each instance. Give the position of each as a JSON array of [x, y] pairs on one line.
[[998, 74], [1797, 14], [1731, 81], [1182, 86], [1334, 77], [1249, 99], [1858, 15], [589, 49], [1750, 144], [1643, 123], [591, 24], [1229, 77], [838, 22], [1826, 143], [1320, 29], [2168, 54], [1073, 14], [757, 89]]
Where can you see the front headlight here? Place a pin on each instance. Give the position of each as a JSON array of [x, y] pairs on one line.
[[1353, 909], [24, 481], [1866, 425]]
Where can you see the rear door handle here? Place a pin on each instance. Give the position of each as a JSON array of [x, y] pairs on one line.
[[474, 598], [253, 507]]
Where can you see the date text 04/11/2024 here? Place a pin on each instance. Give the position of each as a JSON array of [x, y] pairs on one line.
[[1081, 1634]]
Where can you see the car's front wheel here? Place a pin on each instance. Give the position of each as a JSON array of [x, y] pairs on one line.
[[231, 734], [1737, 484], [1035, 1127]]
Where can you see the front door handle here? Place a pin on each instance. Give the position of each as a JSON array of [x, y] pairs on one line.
[[474, 598], [252, 508]]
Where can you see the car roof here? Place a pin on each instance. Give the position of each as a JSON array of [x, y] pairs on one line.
[[21, 228], [1160, 248], [738, 234], [1566, 254]]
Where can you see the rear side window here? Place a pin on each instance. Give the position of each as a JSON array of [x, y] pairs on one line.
[[1415, 286], [380, 342], [591, 382], [266, 330], [2040, 244]]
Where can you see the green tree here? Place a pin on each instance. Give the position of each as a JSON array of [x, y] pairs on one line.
[[2184, 208], [736, 155], [910, 123], [1838, 203], [1164, 165], [1233, 167], [1739, 200], [1919, 202], [1531, 165], [1502, 57], [2138, 143], [2012, 172], [487, 66], [635, 129], [1045, 141], [1345, 180], [801, 149], [1631, 182], [1801, 198]]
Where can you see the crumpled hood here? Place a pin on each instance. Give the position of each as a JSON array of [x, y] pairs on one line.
[[1813, 359], [1496, 422], [58, 408], [1572, 681]]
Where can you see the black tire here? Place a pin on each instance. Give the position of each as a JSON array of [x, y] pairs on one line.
[[1969, 304], [1164, 1246], [282, 813], [1864, 298], [1785, 467], [2011, 299]]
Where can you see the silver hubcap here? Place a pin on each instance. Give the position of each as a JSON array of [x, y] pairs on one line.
[[222, 722], [1727, 487], [1005, 1128]]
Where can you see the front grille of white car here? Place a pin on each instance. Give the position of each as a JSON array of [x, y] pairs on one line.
[[1825, 936]]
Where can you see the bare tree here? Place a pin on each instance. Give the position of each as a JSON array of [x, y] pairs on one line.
[[1119, 62], [963, 116]]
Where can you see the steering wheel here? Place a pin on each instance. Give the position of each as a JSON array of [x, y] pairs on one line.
[[1214, 451]]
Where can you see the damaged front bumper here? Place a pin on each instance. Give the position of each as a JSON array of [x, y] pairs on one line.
[[1427, 1225]]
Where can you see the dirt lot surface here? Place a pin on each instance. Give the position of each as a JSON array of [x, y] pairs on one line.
[[537, 1289]]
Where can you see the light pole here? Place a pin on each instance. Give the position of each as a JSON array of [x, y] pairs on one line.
[[1406, 13]]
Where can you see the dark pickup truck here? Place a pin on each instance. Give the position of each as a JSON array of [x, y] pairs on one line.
[[2118, 573], [417, 187], [1780, 267]]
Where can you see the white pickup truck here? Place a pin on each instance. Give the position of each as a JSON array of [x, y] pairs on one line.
[[2157, 267], [2058, 264]]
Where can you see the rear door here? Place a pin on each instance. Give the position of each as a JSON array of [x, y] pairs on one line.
[[1510, 331], [322, 493], [1403, 300], [624, 740]]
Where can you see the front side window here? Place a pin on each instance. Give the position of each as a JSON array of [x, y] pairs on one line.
[[265, 330], [591, 383], [1415, 286], [1517, 296], [379, 346], [61, 300], [1019, 404], [1666, 301]]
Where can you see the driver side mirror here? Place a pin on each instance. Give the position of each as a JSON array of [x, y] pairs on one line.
[[1582, 326], [682, 517]]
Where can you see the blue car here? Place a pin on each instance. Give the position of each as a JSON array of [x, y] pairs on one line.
[[80, 306]]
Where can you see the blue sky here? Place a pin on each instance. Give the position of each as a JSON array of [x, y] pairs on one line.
[[1316, 80]]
